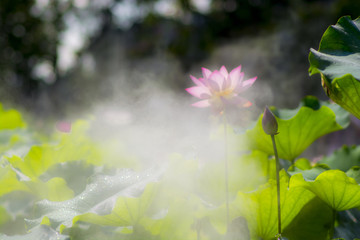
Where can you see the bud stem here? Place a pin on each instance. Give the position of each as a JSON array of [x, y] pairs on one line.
[[277, 184]]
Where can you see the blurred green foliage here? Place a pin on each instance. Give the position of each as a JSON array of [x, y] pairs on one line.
[[28, 36]]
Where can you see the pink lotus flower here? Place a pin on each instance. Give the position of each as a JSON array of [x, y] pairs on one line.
[[219, 88], [63, 126]]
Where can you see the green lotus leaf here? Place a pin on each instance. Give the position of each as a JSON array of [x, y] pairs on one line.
[[92, 232], [308, 171], [76, 174], [10, 119], [302, 163], [127, 212], [4, 216], [343, 158], [310, 174], [354, 173], [260, 207], [181, 221], [334, 187], [297, 128], [346, 159], [99, 198], [41, 232], [54, 190], [177, 200], [75, 146], [338, 62], [16, 142], [217, 217], [179, 179], [87, 231], [9, 181], [36, 162], [312, 223]]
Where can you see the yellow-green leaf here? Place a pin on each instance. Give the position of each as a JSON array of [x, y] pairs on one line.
[[297, 128], [128, 211], [10, 119], [260, 207], [334, 187]]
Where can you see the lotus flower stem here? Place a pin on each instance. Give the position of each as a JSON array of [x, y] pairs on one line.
[[277, 184], [226, 171], [198, 229]]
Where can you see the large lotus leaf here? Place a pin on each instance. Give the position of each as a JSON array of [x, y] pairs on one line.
[[92, 232], [343, 158], [346, 159], [54, 190], [12, 221], [77, 145], [312, 223], [297, 128], [10, 119], [181, 220], [217, 218], [260, 207], [4, 216], [301, 163], [175, 206], [76, 174], [72, 147], [334, 187], [310, 174], [338, 62], [36, 162], [41, 232], [354, 173], [308, 171], [128, 211], [176, 202], [16, 142], [9, 181], [99, 197], [97, 232], [179, 178]]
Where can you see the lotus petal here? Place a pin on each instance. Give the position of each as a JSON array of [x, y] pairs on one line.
[[199, 92], [198, 82], [245, 85], [206, 72], [224, 72], [202, 104], [216, 80]]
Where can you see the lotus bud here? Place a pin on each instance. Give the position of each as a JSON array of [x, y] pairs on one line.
[[269, 122]]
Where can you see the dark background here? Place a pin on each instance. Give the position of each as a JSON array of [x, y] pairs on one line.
[[59, 56]]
